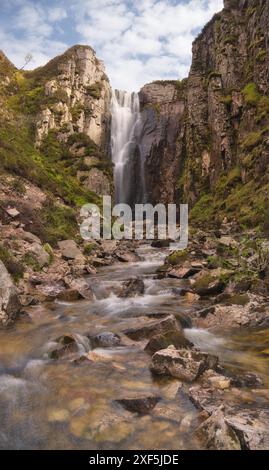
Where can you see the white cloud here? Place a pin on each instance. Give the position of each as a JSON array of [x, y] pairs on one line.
[[139, 41], [150, 40]]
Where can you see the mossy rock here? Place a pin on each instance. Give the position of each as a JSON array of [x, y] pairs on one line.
[[208, 285], [177, 258]]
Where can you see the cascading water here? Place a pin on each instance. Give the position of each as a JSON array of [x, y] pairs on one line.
[[125, 132]]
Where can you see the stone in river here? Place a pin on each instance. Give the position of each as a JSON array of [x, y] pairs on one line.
[[183, 364], [132, 288], [148, 328], [141, 405], [106, 339]]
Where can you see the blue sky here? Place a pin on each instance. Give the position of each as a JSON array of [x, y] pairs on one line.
[[139, 41]]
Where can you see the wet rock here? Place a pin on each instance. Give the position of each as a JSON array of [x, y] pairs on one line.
[[252, 428], [105, 339], [246, 381], [217, 434], [48, 292], [67, 345], [128, 257], [69, 295], [132, 288], [186, 365], [69, 249], [161, 243], [163, 341], [141, 405], [81, 286], [9, 299], [147, 328], [184, 319], [27, 300]]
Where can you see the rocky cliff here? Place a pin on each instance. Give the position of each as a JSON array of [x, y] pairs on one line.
[[221, 151]]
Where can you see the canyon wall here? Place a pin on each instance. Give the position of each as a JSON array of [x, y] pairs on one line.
[[220, 154]]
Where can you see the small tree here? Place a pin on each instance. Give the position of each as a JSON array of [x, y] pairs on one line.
[[28, 58]]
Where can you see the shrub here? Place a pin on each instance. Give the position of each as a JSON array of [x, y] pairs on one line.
[[251, 94]]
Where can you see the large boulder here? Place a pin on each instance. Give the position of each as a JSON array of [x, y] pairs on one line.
[[208, 284], [9, 300], [81, 286], [183, 364]]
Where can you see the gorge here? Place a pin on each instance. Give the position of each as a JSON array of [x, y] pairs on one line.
[[117, 344]]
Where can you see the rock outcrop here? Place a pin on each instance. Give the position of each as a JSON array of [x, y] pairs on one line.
[[9, 300], [206, 139], [78, 93]]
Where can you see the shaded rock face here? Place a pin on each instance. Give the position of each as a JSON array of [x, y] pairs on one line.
[[82, 96], [162, 111], [217, 123], [9, 300]]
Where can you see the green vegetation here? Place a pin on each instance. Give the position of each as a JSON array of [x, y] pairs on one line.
[[88, 249], [14, 267], [252, 140], [251, 94], [177, 257], [95, 90], [58, 223], [261, 56]]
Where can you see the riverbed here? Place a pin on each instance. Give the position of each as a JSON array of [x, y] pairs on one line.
[[46, 404]]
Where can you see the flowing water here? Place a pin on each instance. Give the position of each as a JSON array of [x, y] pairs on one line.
[[125, 131], [46, 404]]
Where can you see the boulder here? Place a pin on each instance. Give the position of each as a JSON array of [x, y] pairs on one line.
[[163, 341], [183, 272], [132, 288], [217, 434], [69, 295], [128, 257], [69, 249], [105, 339], [81, 286], [9, 299], [40, 255], [66, 345], [208, 285], [148, 328], [141, 405], [183, 364]]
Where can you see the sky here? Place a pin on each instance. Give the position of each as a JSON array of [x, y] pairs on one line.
[[139, 41]]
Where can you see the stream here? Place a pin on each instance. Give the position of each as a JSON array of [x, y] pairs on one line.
[[46, 404]]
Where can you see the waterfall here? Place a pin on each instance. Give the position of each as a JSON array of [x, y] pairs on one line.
[[125, 131]]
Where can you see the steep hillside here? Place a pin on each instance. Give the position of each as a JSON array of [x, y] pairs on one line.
[[54, 130], [223, 141]]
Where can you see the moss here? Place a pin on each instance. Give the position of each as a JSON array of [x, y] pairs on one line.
[[50, 251], [30, 261], [177, 257], [76, 112], [14, 267], [261, 56], [214, 75], [88, 249], [59, 222], [227, 100], [203, 210], [251, 94], [95, 91], [240, 299], [203, 282], [252, 140]]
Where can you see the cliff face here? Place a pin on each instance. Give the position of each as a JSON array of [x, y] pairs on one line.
[[222, 142], [162, 116], [78, 96]]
